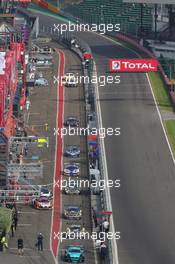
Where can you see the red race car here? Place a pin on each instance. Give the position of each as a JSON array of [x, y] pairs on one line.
[[42, 203]]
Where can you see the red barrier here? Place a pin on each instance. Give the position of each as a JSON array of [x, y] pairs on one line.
[[133, 42], [43, 4]]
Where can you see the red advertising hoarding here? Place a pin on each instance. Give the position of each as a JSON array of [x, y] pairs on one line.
[[133, 65]]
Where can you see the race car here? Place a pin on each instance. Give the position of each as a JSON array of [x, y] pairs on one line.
[[75, 231], [72, 188], [68, 76], [45, 192], [42, 203], [72, 212], [71, 169], [72, 151], [72, 121], [41, 82], [74, 254], [71, 83]]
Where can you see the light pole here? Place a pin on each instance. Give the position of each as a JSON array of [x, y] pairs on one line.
[[155, 21], [58, 3], [101, 13]]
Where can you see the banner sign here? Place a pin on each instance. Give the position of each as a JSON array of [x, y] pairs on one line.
[[133, 65]]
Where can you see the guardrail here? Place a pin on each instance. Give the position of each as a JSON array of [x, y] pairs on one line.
[[134, 43]]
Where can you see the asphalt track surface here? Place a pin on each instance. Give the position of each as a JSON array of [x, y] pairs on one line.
[[143, 208]]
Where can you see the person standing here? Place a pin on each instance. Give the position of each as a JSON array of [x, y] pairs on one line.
[[12, 229], [103, 251], [40, 241], [15, 220], [28, 103], [20, 245], [105, 226]]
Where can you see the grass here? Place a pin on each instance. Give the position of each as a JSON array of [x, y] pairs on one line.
[[5, 219], [160, 91], [170, 128]]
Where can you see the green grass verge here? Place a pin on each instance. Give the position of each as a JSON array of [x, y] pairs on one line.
[[160, 91], [5, 219], [170, 128]]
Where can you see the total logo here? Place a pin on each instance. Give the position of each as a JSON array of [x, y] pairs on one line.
[[116, 65], [133, 65]]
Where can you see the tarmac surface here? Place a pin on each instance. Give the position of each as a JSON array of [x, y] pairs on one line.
[[143, 208], [42, 111]]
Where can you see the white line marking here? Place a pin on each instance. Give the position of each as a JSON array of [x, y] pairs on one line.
[[30, 249], [103, 155], [24, 224], [55, 259], [22, 212], [95, 252], [160, 118], [62, 156]]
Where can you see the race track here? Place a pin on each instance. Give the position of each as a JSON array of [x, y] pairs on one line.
[[143, 208]]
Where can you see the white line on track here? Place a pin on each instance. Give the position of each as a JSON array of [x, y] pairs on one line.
[[104, 162], [31, 249], [56, 145], [56, 259], [161, 121], [23, 212], [24, 224]]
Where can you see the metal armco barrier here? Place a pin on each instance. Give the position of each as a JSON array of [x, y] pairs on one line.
[[140, 48]]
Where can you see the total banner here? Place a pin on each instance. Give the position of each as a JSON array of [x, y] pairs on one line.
[[133, 65]]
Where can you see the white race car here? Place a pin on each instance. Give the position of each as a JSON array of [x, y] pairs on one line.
[[70, 80]]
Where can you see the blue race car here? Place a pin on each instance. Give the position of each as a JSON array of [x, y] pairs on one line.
[[71, 169], [72, 151], [72, 121], [74, 254], [72, 212]]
